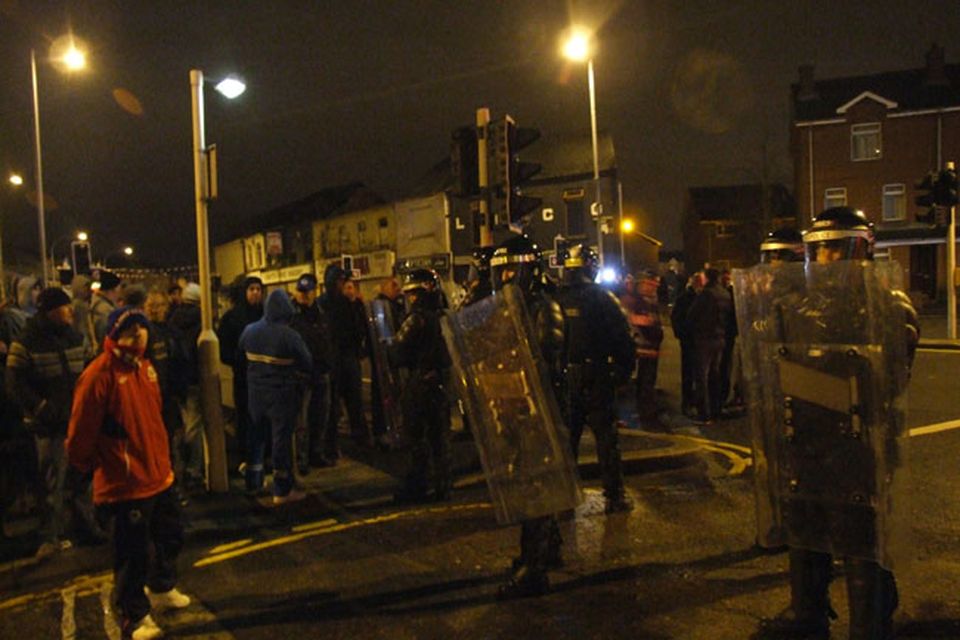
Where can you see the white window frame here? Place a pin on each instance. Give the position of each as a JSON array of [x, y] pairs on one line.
[[834, 197], [863, 130], [890, 192]]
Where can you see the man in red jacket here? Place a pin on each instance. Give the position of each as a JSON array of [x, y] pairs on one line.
[[116, 429]]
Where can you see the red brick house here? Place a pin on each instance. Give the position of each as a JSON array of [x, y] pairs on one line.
[[865, 142]]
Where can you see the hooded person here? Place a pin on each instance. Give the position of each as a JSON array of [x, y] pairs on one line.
[[185, 323], [28, 289], [278, 364], [104, 302], [247, 297], [116, 430], [82, 319]]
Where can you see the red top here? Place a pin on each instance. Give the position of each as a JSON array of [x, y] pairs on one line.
[[117, 429]]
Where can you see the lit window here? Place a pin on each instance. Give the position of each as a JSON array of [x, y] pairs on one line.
[[865, 143], [894, 202], [835, 197]]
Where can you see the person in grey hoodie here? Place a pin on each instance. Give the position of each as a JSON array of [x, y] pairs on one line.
[[278, 364]]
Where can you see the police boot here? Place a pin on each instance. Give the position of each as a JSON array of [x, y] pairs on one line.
[[872, 593], [524, 583], [809, 613]]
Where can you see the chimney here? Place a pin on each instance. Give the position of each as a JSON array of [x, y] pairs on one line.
[[936, 67], [806, 90]]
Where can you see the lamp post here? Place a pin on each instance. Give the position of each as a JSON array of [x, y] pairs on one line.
[[577, 48], [73, 58], [208, 348]]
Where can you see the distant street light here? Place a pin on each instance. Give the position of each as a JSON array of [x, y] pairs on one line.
[[66, 51], [578, 48], [83, 236], [626, 225], [15, 179], [128, 251], [208, 348]]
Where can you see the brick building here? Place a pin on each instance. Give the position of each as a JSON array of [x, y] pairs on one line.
[[865, 141]]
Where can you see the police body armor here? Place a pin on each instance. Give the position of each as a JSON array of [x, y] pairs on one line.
[[505, 384], [380, 322], [825, 366]]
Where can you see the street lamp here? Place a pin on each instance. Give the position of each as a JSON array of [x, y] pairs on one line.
[[578, 48], [15, 179], [83, 236], [208, 348], [128, 251], [69, 53]]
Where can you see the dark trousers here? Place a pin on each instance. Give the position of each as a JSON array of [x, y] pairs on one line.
[[726, 369], [540, 542], [273, 416], [871, 591], [688, 374], [593, 405], [646, 387], [241, 406], [312, 420], [346, 391], [426, 419], [709, 402], [147, 539]]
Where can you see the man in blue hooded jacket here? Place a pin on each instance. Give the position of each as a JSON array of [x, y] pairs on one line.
[[278, 361]]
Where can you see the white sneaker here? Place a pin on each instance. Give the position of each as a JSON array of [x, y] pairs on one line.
[[146, 629], [172, 599]]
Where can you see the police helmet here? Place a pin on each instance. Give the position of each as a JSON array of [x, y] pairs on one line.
[[426, 279], [480, 264], [584, 259], [517, 259], [839, 233], [783, 245]]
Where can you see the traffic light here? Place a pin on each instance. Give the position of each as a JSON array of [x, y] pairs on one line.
[[927, 199], [507, 173], [945, 189], [464, 162]]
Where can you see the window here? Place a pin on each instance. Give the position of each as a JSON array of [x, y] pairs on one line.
[[835, 197], [865, 143], [573, 199], [894, 202]]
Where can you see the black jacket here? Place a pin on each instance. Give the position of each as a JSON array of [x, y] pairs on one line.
[[678, 317], [186, 323], [597, 331], [419, 343], [232, 324], [313, 326], [710, 314], [42, 369]]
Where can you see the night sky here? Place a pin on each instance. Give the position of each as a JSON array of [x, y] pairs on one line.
[[355, 90]]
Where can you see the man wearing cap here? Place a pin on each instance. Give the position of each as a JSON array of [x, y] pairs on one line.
[[105, 300], [310, 321], [186, 323], [42, 368], [116, 430]]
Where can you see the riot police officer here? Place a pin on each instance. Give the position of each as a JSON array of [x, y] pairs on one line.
[[518, 260], [478, 279], [599, 356], [841, 523], [782, 245], [419, 346]]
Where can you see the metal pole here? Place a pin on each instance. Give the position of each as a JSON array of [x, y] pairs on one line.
[[951, 271], [597, 202], [41, 218], [483, 179], [623, 253], [208, 348], [3, 274]]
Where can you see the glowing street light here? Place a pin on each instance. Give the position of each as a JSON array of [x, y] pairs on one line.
[[128, 251], [208, 348], [82, 236], [577, 48], [66, 51], [15, 179], [627, 226]]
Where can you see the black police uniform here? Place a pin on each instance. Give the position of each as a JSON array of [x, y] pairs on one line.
[[599, 357], [871, 589], [419, 346], [540, 538]]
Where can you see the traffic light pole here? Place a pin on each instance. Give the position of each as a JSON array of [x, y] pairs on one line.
[[952, 270], [483, 178]]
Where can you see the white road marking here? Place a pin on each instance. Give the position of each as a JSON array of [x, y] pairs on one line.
[[68, 622], [934, 428]]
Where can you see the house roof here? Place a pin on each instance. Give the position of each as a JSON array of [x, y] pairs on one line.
[[738, 202], [897, 90], [316, 206]]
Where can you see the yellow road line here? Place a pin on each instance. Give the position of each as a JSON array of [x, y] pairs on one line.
[[229, 546], [303, 535], [936, 350], [83, 585], [312, 525], [933, 428]]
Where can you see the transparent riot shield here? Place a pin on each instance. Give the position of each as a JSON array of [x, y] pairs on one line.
[[825, 370], [380, 323], [502, 382]]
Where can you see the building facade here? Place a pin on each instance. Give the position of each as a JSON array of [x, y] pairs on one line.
[[865, 141]]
